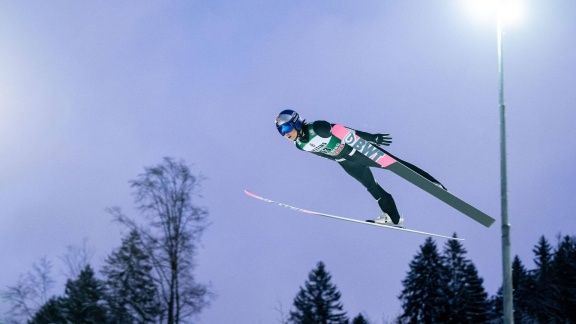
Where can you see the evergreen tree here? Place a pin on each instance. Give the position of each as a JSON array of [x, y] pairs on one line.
[[476, 303], [543, 257], [564, 276], [522, 287], [455, 263], [497, 308], [466, 299], [129, 285], [526, 309], [319, 301], [84, 299], [425, 286], [360, 320], [52, 312], [542, 302]]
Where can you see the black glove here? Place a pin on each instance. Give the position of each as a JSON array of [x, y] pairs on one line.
[[383, 139]]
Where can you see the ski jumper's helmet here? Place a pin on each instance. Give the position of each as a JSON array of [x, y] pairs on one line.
[[287, 120]]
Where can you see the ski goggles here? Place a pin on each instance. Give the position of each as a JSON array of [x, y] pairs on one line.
[[285, 128]]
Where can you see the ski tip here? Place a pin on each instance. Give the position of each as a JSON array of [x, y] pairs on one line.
[[250, 194]]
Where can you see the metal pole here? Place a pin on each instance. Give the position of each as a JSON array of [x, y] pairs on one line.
[[506, 263]]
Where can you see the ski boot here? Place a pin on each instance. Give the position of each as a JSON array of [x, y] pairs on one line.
[[385, 219]]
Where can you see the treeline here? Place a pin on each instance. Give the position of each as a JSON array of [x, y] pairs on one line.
[[444, 287], [148, 279]]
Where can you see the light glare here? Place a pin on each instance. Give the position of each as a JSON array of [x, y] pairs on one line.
[[510, 11]]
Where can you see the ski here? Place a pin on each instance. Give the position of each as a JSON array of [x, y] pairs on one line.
[[349, 137], [398, 228]]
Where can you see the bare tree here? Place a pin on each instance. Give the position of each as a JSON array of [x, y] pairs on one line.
[[77, 258], [280, 309], [30, 293], [163, 194]]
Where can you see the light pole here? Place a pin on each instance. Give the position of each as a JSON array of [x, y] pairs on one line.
[[507, 293], [505, 10]]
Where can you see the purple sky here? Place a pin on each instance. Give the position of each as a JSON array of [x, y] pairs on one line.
[[91, 93]]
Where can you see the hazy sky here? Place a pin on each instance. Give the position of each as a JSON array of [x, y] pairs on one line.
[[91, 93]]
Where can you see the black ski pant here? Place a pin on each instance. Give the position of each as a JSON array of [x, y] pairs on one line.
[[358, 166]]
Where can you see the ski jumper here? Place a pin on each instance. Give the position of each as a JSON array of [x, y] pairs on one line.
[[317, 138]]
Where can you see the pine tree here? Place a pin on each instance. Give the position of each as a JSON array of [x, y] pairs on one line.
[[524, 293], [542, 302], [497, 308], [84, 299], [455, 263], [467, 300], [360, 319], [564, 277], [546, 294], [319, 301], [476, 303], [543, 257], [522, 287], [425, 286], [129, 283], [52, 312]]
